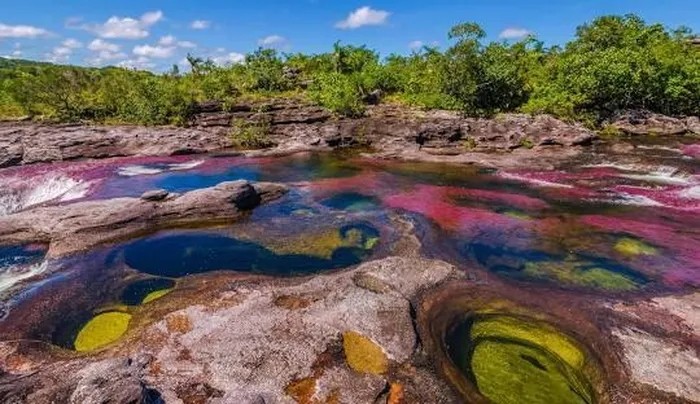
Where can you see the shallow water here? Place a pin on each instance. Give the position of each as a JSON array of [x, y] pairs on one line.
[[607, 228]]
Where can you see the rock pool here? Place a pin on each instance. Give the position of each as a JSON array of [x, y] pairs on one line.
[[606, 229]]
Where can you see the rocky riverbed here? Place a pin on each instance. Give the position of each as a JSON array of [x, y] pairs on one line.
[[448, 260]]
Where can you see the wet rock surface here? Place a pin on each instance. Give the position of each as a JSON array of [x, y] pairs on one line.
[[79, 226]]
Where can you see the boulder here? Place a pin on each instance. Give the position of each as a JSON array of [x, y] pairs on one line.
[[155, 195], [648, 123], [79, 226]]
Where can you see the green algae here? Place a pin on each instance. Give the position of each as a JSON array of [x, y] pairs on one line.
[[580, 273], [102, 330], [513, 359], [633, 247], [536, 334], [516, 214]]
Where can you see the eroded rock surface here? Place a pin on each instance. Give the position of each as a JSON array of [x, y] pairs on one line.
[[294, 126], [650, 123], [79, 226], [274, 341]]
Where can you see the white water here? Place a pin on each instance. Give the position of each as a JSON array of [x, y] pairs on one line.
[[661, 174], [13, 274], [534, 181], [135, 170], [19, 195], [691, 193]]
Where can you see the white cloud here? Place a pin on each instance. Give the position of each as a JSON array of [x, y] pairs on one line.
[[59, 54], [99, 45], [126, 28], [167, 40], [72, 43], [141, 62], [514, 33], [363, 16], [21, 31], [415, 45], [272, 41], [200, 24], [16, 53], [230, 58], [159, 52], [186, 44], [171, 41], [104, 51]]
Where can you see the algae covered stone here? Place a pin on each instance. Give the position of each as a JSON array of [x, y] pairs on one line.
[[581, 273], [102, 330], [632, 247], [518, 360], [363, 355]]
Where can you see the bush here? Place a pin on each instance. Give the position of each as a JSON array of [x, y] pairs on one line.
[[339, 93], [251, 134]]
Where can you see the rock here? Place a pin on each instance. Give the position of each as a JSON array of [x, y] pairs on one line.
[[155, 195], [79, 226], [660, 363], [235, 343], [693, 124], [648, 123], [298, 126]]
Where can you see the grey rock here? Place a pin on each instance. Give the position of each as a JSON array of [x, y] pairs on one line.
[[155, 195]]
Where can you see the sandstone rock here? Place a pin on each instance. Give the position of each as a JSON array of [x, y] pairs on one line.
[[296, 126], [648, 123], [79, 226]]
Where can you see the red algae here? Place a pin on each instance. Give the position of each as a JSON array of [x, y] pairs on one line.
[[692, 150]]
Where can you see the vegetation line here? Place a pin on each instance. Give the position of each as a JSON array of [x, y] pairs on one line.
[[614, 63]]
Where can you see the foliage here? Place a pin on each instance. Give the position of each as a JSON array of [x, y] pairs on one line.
[[250, 134], [614, 63]]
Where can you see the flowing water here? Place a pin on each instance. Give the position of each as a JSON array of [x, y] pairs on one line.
[[607, 228]]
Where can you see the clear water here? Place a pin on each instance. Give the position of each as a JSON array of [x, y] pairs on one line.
[[604, 229]]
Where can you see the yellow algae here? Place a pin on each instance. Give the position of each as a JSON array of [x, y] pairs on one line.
[[363, 355], [517, 215], [538, 334], [156, 295], [102, 330], [323, 244], [630, 246]]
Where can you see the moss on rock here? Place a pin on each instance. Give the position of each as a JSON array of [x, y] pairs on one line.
[[363, 355]]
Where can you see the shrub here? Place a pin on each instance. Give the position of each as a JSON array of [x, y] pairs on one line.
[[339, 93], [251, 134]]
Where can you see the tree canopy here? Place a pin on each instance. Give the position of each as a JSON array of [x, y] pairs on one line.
[[614, 63]]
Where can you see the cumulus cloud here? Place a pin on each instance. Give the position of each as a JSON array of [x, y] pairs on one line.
[[104, 51], [514, 33], [158, 51], [98, 45], [228, 59], [186, 44], [22, 31], [125, 28], [200, 24], [363, 16], [72, 43], [415, 45], [140, 63], [272, 41], [171, 41]]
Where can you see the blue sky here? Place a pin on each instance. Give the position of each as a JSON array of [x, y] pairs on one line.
[[154, 34]]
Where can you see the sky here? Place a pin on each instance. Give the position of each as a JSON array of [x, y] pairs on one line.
[[155, 34]]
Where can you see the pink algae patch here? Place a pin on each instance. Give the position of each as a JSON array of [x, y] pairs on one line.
[[437, 203], [692, 150]]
